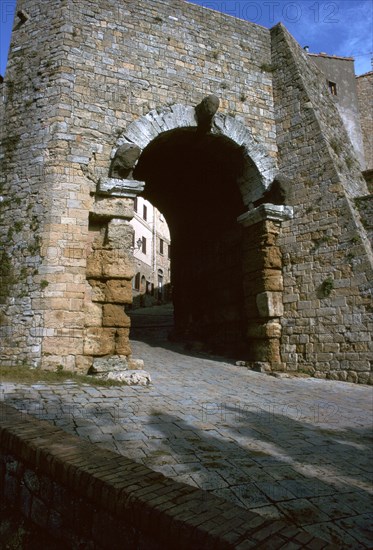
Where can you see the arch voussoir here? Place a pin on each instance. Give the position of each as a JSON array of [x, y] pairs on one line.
[[261, 168]]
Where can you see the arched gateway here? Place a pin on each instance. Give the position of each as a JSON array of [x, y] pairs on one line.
[[211, 179], [217, 173]]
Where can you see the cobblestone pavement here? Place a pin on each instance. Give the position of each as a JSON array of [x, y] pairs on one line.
[[295, 448]]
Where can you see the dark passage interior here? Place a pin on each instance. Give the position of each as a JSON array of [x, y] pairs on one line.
[[192, 179]]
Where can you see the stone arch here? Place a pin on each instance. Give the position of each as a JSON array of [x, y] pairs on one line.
[[260, 167], [260, 262]]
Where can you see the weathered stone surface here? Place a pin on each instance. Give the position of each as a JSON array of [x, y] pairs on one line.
[[278, 193], [98, 292], [265, 351], [119, 234], [109, 264], [64, 319], [120, 188], [271, 329], [118, 291], [67, 345], [99, 341], [83, 363], [266, 211], [262, 259], [205, 112], [115, 291], [270, 304], [364, 86], [109, 364], [135, 364], [113, 207], [268, 279], [93, 314], [124, 160], [132, 378], [122, 344], [114, 316], [259, 366]]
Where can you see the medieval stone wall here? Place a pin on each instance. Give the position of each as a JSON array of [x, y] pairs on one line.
[[37, 188], [365, 94], [74, 81], [80, 77], [326, 254], [340, 71]]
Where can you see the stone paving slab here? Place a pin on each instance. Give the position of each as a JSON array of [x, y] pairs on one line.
[[296, 450]]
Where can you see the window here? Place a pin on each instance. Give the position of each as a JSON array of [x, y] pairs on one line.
[[136, 282], [160, 284], [135, 204], [161, 243], [143, 285], [332, 87], [169, 252], [143, 245], [145, 212]]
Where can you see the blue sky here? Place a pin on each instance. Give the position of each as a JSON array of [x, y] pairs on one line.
[[339, 27], [7, 8]]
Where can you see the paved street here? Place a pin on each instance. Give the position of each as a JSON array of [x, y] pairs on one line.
[[295, 448]]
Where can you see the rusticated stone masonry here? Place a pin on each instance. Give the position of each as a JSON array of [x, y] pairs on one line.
[[109, 272], [263, 284]]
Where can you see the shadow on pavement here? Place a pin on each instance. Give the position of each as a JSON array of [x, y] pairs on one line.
[[281, 467], [154, 325]]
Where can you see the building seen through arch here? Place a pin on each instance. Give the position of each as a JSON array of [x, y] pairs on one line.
[[151, 245], [193, 178]]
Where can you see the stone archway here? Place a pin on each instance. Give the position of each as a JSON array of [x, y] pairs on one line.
[[261, 168], [261, 258]]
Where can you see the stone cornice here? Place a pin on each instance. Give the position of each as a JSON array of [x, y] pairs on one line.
[[120, 188], [267, 211]]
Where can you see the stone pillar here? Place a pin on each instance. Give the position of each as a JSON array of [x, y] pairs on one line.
[[109, 272], [263, 284]]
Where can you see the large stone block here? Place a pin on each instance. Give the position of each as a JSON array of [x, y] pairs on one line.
[[109, 264], [122, 343], [113, 208], [120, 268], [272, 280], [98, 288], [99, 341], [270, 304], [110, 363], [55, 362], [119, 234], [272, 329], [114, 316], [62, 345], [63, 319], [83, 363], [120, 187], [260, 259], [93, 314], [262, 232], [118, 291], [114, 291], [268, 279], [266, 350]]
